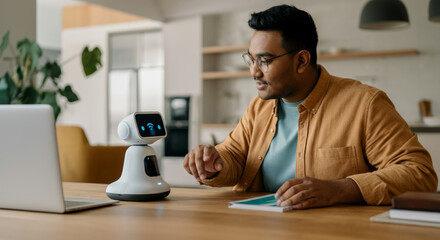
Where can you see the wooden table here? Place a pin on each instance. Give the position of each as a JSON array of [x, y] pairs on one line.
[[201, 214]]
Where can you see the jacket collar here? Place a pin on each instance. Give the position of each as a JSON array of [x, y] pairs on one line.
[[315, 97]]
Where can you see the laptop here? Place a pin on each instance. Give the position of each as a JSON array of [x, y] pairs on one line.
[[30, 176]]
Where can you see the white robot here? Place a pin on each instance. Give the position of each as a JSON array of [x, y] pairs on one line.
[[140, 179]]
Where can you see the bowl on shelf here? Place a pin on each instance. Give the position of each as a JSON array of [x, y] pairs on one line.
[[432, 121]]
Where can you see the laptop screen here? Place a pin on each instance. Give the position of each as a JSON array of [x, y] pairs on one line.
[[30, 177]]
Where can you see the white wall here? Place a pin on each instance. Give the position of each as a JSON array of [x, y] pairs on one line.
[[183, 41], [19, 18], [91, 111], [183, 56], [49, 22]]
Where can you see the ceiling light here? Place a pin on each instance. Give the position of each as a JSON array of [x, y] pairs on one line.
[[434, 11], [384, 14]]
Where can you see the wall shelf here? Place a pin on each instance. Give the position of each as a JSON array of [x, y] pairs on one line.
[[246, 73], [224, 49], [225, 75], [425, 129], [353, 54], [345, 55]]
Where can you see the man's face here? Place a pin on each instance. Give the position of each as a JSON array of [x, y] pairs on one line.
[[279, 81]]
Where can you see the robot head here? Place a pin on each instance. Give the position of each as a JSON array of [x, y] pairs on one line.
[[142, 128]]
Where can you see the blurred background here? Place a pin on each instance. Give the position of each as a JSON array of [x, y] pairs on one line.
[[183, 58]]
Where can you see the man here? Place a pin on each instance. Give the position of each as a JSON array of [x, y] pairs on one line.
[[313, 138]]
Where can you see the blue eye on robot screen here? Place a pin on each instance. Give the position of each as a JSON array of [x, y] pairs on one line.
[[151, 127], [143, 128], [158, 127]]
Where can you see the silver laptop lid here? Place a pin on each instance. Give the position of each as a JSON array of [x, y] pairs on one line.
[[30, 177]]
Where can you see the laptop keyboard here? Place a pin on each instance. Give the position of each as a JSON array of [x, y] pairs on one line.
[[75, 203]]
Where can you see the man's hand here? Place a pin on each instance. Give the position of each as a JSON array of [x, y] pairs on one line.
[[302, 193], [203, 162]]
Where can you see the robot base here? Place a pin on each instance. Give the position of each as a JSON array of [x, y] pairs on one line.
[[140, 179], [138, 197]]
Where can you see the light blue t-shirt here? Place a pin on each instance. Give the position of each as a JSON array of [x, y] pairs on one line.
[[279, 164]]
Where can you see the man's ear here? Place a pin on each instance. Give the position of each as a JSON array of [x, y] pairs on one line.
[[303, 63]]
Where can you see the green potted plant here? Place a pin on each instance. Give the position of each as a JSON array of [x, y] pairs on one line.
[[29, 83]]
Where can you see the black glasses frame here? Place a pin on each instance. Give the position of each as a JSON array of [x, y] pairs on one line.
[[266, 62]]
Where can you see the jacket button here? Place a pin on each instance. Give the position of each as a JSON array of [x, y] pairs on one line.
[[260, 157], [271, 130]]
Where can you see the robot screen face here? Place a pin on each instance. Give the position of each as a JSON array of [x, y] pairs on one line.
[[150, 125]]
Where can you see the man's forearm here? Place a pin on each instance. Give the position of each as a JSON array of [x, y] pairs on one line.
[[347, 191]]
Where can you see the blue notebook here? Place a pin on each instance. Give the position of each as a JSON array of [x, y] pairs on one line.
[[263, 203]]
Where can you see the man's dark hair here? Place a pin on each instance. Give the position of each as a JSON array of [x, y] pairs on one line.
[[296, 27]]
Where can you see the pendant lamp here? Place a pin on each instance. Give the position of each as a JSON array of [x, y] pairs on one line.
[[384, 14], [434, 11]]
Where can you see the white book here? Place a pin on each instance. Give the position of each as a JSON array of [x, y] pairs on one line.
[[263, 203], [416, 215]]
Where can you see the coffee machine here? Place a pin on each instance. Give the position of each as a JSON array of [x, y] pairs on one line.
[[177, 116]]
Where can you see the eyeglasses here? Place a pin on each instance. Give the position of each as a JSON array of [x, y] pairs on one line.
[[262, 63]]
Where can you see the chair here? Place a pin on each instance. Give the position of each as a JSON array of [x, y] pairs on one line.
[[81, 162]]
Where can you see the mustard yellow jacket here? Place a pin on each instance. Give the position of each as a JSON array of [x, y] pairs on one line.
[[346, 129]]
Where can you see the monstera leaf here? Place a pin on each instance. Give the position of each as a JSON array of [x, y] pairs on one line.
[[91, 60], [69, 94]]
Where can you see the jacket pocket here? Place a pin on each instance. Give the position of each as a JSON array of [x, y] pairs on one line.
[[335, 163]]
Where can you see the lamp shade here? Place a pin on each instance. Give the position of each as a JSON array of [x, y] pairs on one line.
[[384, 14], [434, 10]]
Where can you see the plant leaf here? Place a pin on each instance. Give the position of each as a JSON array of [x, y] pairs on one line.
[[4, 43], [8, 90], [24, 47], [36, 53], [51, 99], [3, 84], [4, 96], [69, 94], [30, 96], [91, 60], [12, 88], [19, 72], [52, 70]]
